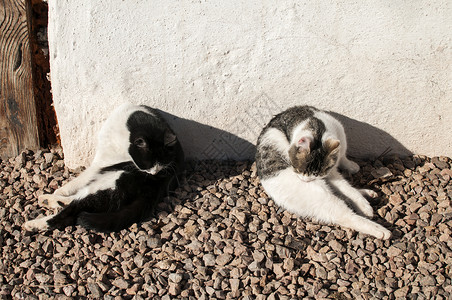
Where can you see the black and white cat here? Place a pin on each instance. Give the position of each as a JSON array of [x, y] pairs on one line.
[[138, 158], [298, 155]]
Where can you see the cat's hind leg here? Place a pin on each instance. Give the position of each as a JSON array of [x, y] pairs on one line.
[[334, 211], [364, 225], [316, 200], [61, 220], [73, 186], [342, 186], [67, 193], [66, 217]]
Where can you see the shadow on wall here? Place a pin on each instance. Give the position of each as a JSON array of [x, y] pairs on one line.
[[367, 141], [204, 142]]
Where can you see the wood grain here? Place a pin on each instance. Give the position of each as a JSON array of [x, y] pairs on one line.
[[18, 129], [45, 113]]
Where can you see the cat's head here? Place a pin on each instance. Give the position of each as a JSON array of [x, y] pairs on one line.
[[153, 146], [312, 161]]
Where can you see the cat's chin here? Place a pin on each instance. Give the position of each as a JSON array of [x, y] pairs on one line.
[[155, 169], [307, 178]]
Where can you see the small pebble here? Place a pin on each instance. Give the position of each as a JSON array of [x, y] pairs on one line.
[[220, 236]]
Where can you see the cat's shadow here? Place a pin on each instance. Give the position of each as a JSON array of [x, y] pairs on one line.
[[214, 153], [367, 141], [204, 142]]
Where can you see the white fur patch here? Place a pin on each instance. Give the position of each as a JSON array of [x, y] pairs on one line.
[[113, 138], [155, 169], [306, 199], [276, 139], [333, 130], [98, 182], [88, 182], [315, 200], [37, 224], [299, 132]]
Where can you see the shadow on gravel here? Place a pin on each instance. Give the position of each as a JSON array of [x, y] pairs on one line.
[[375, 145], [200, 176], [211, 155]]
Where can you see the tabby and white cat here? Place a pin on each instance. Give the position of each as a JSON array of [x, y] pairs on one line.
[[137, 160], [298, 155]]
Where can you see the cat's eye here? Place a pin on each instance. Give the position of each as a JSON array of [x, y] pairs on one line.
[[140, 142]]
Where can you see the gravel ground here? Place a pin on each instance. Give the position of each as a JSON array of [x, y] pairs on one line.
[[219, 236]]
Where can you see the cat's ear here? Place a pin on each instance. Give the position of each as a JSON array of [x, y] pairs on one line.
[[332, 146], [304, 144], [169, 139]]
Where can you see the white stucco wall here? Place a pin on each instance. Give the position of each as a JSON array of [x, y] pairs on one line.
[[224, 67]]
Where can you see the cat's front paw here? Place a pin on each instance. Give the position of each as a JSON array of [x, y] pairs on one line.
[[37, 224], [382, 233], [349, 166], [368, 193], [353, 167], [365, 207]]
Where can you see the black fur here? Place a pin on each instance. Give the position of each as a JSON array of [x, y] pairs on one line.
[[151, 139], [132, 201], [136, 192]]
